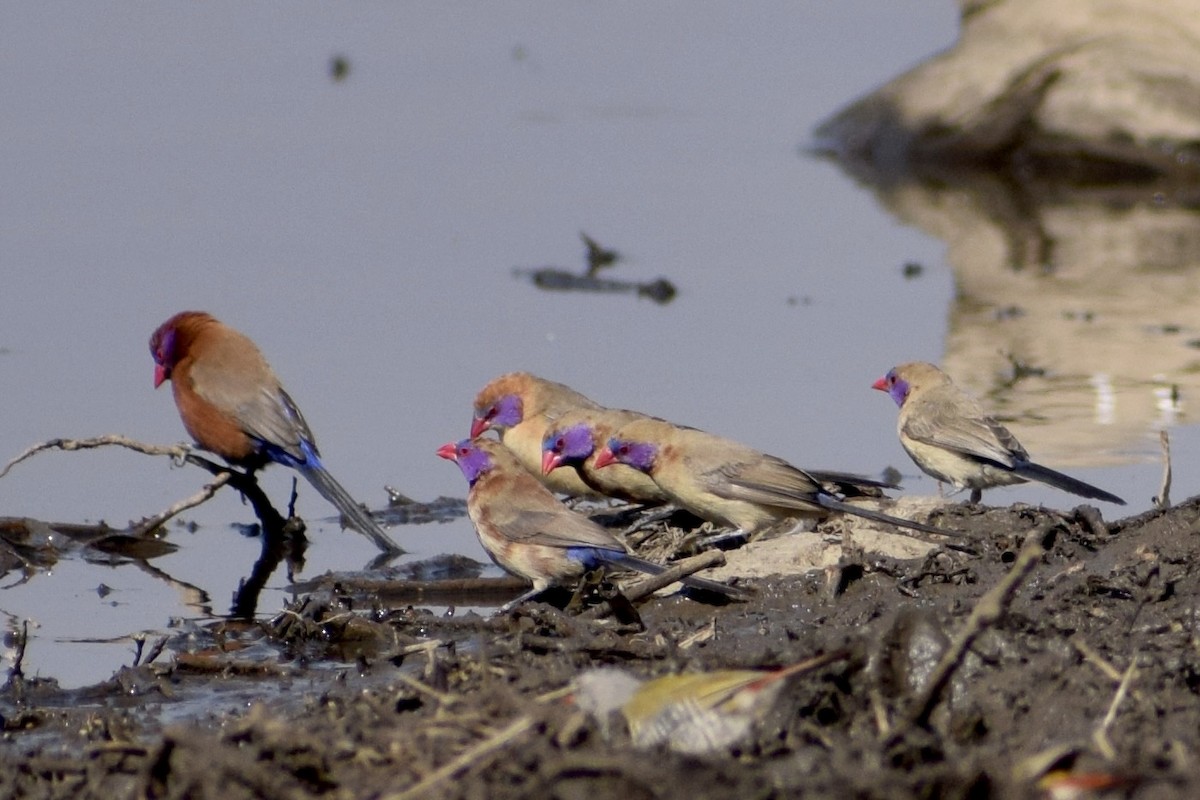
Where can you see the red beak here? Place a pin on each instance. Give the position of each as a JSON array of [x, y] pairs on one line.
[[160, 375], [604, 457], [550, 462], [448, 451], [478, 426], [880, 384]]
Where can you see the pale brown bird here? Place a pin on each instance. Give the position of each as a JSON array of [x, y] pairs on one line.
[[572, 442], [530, 533], [520, 407], [728, 482], [950, 437]]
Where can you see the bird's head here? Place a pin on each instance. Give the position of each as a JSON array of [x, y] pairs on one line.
[[570, 445], [894, 385], [170, 341], [501, 413], [472, 459], [639, 455]]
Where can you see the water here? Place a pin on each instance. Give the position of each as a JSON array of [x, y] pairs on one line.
[[364, 232]]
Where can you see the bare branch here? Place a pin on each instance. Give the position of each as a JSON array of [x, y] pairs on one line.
[[1163, 498], [988, 610], [150, 523], [176, 451]]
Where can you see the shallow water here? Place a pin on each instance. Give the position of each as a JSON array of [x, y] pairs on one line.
[[365, 232]]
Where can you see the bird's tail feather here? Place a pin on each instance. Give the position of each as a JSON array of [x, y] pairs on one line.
[[850, 480], [1036, 472], [353, 514], [886, 519], [630, 561]]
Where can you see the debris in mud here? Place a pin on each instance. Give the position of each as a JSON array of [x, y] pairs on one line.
[[1061, 656]]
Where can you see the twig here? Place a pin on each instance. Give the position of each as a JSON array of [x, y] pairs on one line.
[[680, 569], [471, 757], [1163, 498], [987, 612], [176, 451], [150, 523], [1100, 736]]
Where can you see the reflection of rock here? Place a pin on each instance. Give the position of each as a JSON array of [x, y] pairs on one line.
[[1074, 307], [1076, 88], [1079, 311]]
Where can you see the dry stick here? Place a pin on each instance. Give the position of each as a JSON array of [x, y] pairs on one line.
[[1163, 498], [1100, 736], [651, 584], [155, 520], [177, 451], [680, 569], [987, 612], [471, 757]]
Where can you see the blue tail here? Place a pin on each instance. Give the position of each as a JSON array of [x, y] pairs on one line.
[[354, 515]]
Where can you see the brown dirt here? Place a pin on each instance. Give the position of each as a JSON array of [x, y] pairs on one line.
[[338, 699]]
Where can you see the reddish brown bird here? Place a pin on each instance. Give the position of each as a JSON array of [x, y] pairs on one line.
[[520, 407], [232, 404]]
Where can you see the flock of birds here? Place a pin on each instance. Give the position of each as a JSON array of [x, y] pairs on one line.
[[555, 441]]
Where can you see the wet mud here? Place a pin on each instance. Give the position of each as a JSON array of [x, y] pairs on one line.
[[1060, 661]]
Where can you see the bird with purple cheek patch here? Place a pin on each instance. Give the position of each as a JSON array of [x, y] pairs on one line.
[[232, 404], [950, 437], [572, 442], [529, 532], [520, 407], [727, 482]]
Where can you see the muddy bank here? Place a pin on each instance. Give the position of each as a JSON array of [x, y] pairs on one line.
[[1089, 666]]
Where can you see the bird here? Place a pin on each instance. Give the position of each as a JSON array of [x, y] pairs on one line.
[[727, 482], [572, 441], [950, 437], [690, 712], [520, 406], [232, 404], [528, 531]]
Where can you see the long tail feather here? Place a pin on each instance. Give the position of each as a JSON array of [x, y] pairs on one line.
[[887, 519], [650, 568], [353, 514], [1036, 472]]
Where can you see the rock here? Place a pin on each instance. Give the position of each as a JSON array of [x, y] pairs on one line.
[[1085, 89]]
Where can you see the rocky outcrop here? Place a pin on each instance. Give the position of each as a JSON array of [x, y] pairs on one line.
[[1091, 90]]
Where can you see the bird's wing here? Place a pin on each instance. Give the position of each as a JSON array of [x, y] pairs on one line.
[[519, 508], [764, 479], [256, 400], [960, 424]]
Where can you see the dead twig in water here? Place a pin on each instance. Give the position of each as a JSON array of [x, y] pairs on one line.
[[472, 758], [1163, 498], [206, 493], [987, 612]]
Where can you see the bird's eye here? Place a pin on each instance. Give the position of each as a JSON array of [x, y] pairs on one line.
[[462, 451], [623, 450], [559, 444]]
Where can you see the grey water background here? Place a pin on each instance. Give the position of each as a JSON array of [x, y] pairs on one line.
[[365, 231]]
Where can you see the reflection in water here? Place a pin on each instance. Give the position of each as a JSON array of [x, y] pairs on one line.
[[597, 257], [1074, 310]]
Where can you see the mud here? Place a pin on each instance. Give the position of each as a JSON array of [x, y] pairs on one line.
[[1087, 670]]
